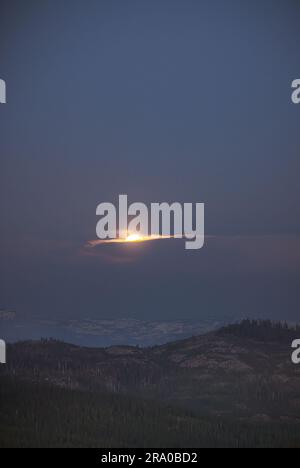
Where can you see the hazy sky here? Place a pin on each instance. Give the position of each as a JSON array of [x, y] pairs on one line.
[[180, 100]]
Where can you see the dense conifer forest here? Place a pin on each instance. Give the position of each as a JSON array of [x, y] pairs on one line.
[[235, 387]]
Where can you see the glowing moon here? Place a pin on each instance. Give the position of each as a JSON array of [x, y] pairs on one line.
[[130, 239], [134, 238]]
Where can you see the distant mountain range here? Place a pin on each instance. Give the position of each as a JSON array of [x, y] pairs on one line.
[[99, 332], [7, 315]]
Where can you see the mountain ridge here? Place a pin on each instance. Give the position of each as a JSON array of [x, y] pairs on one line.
[[214, 373], [232, 387]]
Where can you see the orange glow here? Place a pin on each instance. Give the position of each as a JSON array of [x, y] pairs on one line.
[[130, 239], [134, 238]]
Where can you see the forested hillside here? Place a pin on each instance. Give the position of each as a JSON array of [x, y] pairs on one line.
[[233, 387], [35, 415]]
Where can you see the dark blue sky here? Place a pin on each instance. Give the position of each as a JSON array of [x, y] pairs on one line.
[[165, 101]]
